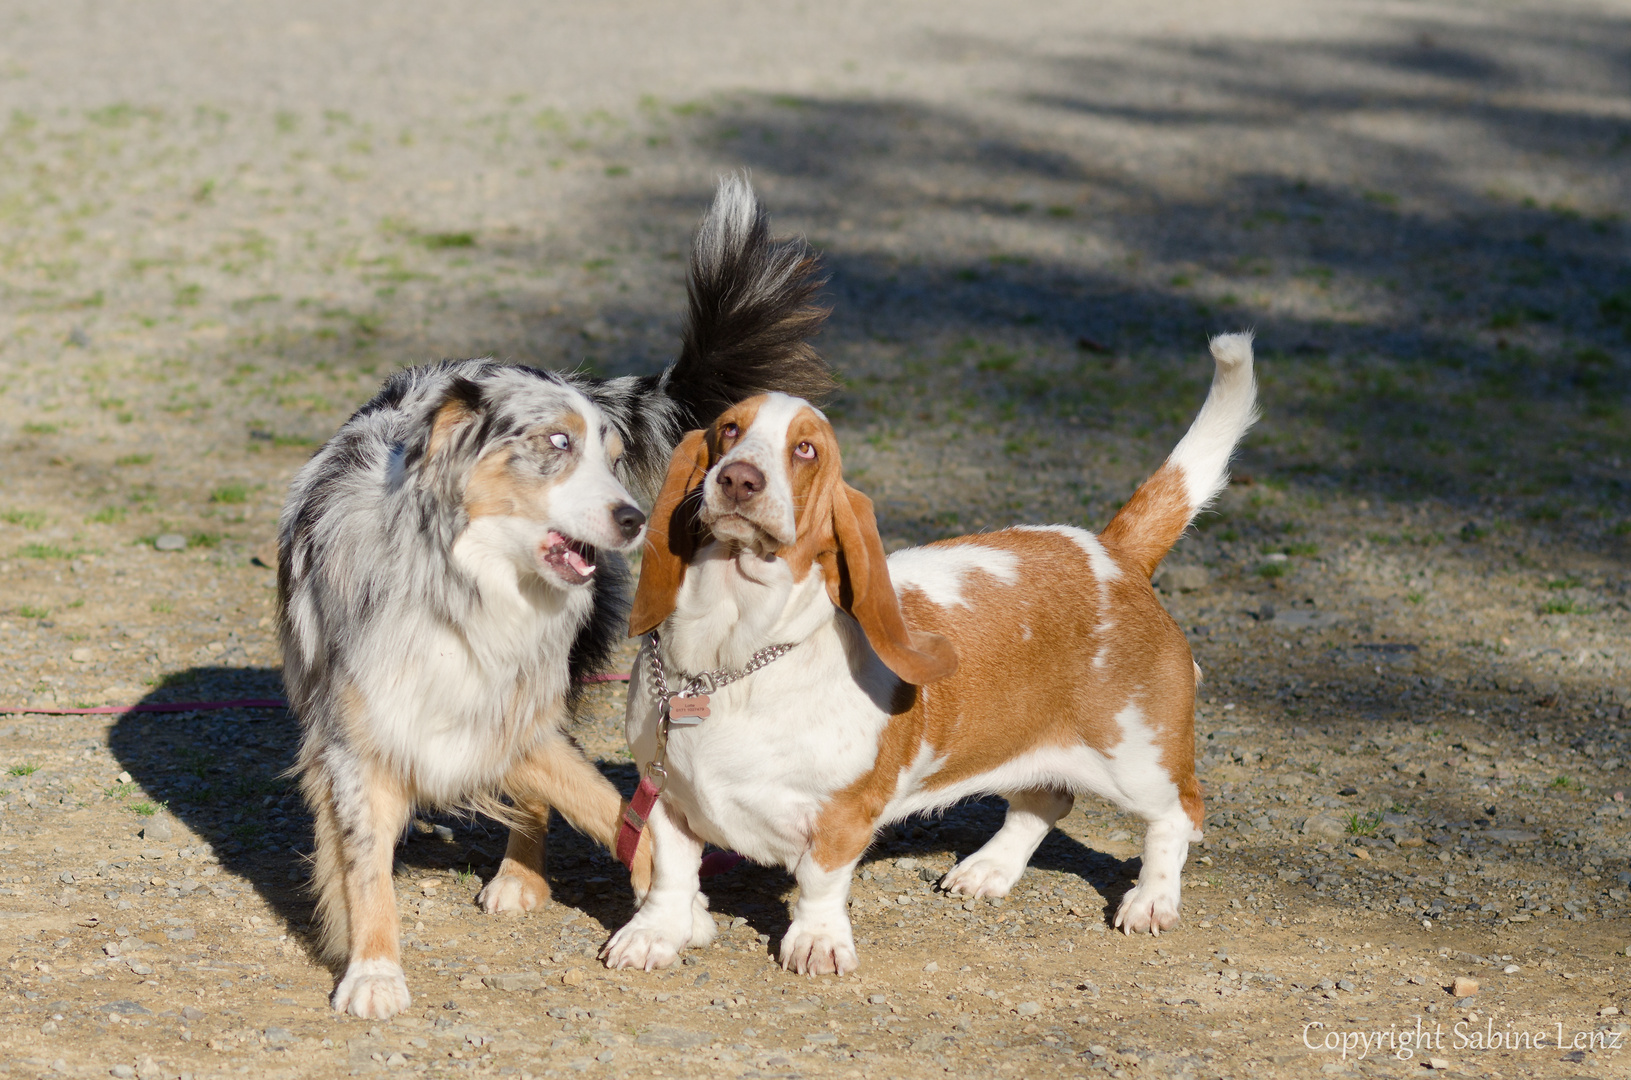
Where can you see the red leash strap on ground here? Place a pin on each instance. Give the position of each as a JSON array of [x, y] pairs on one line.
[[155, 707], [720, 862], [206, 706]]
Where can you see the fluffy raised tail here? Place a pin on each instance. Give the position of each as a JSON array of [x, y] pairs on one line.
[[751, 314], [1142, 533]]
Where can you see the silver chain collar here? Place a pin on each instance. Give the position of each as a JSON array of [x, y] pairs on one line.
[[709, 682], [706, 683]]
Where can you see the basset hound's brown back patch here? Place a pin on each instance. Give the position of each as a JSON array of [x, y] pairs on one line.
[[1028, 680]]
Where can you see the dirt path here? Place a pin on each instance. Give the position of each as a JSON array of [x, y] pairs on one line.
[[220, 228]]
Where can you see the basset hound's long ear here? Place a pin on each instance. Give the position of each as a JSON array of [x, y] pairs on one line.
[[672, 537], [858, 581]]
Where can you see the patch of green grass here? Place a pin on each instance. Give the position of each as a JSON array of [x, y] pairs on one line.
[[134, 459], [1364, 824], [45, 551], [120, 115], [39, 428], [189, 295], [230, 494], [617, 170], [465, 878], [245, 304], [28, 611], [161, 607], [1272, 570], [440, 240], [1560, 606], [28, 519], [1564, 783], [24, 769], [147, 809], [1567, 582], [108, 515], [204, 540], [1415, 597]]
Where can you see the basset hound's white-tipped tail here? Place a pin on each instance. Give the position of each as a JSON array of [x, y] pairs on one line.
[[1198, 469]]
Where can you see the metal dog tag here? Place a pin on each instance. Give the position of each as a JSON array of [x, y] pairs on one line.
[[688, 710]]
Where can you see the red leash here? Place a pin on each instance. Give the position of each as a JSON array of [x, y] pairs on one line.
[[207, 706], [635, 816]]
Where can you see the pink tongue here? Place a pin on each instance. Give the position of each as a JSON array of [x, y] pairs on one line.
[[576, 562]]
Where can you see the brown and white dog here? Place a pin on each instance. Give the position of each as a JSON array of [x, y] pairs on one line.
[[1035, 663]]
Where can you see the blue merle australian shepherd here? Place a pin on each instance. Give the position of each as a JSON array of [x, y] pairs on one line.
[[450, 569]]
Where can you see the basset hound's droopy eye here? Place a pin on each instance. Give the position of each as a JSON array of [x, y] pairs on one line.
[[805, 450], [729, 431]]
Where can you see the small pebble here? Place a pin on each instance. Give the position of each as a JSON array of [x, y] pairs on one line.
[[170, 542], [1464, 987]]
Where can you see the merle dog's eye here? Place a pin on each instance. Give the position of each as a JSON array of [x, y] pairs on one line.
[[561, 441], [805, 450], [729, 431]]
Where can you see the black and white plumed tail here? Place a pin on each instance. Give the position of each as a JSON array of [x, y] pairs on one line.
[[750, 314]]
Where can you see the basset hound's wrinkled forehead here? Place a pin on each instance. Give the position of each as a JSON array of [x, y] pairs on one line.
[[774, 422], [767, 457]]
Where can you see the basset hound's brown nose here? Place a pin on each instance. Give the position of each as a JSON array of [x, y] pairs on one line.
[[740, 482]]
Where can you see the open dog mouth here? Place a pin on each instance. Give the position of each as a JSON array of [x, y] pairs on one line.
[[572, 560]]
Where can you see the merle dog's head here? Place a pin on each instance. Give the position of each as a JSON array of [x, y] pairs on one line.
[[531, 461]]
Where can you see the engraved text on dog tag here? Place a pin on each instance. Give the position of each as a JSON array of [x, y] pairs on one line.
[[688, 710]]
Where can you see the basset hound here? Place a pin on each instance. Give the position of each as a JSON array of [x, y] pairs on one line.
[[1035, 663]]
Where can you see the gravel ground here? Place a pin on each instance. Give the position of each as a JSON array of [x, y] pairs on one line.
[[221, 226]]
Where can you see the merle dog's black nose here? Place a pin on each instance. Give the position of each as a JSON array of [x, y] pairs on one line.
[[740, 481], [629, 519]]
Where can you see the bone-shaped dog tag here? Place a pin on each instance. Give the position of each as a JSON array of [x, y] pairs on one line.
[[688, 710]]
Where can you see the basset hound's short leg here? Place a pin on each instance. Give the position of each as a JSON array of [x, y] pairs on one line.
[[1151, 906], [994, 869], [820, 941], [674, 913]]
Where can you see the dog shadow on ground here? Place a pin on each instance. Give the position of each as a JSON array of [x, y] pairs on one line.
[[761, 895], [223, 774]]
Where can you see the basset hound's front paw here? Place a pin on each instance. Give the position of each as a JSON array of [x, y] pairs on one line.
[[1147, 908], [645, 948], [814, 949]]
